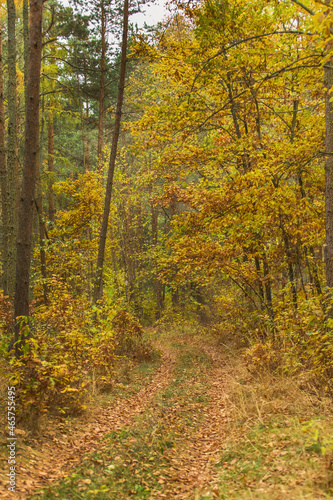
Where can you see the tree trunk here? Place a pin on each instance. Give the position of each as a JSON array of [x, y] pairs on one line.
[[157, 282], [261, 288], [26, 40], [30, 167], [50, 165], [103, 233], [329, 174], [3, 176], [11, 149], [102, 92]]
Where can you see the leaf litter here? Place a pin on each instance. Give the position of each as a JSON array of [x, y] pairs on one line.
[[200, 416], [51, 457]]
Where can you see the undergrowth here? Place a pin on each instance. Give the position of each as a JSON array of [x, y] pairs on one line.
[[69, 355]]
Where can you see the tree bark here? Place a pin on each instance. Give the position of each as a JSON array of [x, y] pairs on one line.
[[50, 165], [3, 175], [26, 40], [11, 149], [102, 92], [328, 73], [102, 241], [30, 168]]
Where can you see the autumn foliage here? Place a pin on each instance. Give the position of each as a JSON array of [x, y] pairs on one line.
[[217, 213], [232, 119]]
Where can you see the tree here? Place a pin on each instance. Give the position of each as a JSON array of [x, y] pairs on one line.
[[324, 23], [30, 168], [25, 15], [102, 88], [328, 79], [219, 123], [12, 160], [97, 291], [3, 173]]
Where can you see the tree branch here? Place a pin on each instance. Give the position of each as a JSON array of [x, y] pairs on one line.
[[300, 4], [244, 40]]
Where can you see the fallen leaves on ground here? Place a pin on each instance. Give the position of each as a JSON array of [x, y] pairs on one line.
[[51, 457]]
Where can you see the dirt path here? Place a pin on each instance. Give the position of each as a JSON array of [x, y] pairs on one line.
[[54, 459], [201, 451], [189, 467]]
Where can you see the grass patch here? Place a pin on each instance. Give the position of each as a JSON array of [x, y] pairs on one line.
[[130, 378], [268, 462]]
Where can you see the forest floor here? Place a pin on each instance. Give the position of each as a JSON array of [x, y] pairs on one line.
[[192, 424]]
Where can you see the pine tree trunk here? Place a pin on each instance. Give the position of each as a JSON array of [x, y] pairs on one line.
[[30, 168], [103, 233], [26, 40], [102, 92], [11, 150], [3, 176]]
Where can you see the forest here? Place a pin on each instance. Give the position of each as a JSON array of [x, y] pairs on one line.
[[166, 240]]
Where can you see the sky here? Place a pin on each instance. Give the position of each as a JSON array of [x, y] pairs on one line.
[[152, 13]]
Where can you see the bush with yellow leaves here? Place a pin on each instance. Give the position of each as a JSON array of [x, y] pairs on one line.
[[62, 360], [299, 343]]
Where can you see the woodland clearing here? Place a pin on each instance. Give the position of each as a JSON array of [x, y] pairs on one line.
[[194, 424]]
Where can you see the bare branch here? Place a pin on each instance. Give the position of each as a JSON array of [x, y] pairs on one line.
[[300, 4]]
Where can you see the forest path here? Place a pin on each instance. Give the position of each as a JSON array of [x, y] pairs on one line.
[[163, 442], [199, 450], [55, 457], [192, 426]]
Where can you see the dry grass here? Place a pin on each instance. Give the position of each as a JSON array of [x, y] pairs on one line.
[[280, 443]]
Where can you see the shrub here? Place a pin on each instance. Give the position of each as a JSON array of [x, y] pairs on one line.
[[56, 371]]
